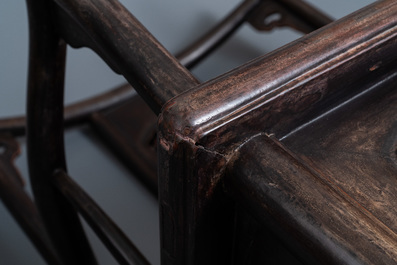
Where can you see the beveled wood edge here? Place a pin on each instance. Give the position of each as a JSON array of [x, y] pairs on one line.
[[237, 94]]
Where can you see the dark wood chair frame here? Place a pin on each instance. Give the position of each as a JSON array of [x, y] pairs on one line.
[[276, 161]]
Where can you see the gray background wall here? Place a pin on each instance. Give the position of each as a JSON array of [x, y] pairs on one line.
[[175, 23]]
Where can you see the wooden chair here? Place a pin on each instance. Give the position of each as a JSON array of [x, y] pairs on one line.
[[290, 158]]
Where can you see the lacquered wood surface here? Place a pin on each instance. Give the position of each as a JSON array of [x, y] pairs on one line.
[[203, 129], [311, 213], [355, 148], [300, 76], [297, 146]]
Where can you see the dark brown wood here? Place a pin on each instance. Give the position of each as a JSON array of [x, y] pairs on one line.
[[282, 89], [115, 34], [358, 140], [201, 129], [189, 57], [114, 239], [255, 243], [295, 14], [80, 112], [117, 127], [192, 54], [194, 214], [45, 135], [18, 203], [294, 151], [308, 211], [130, 131], [76, 113]]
